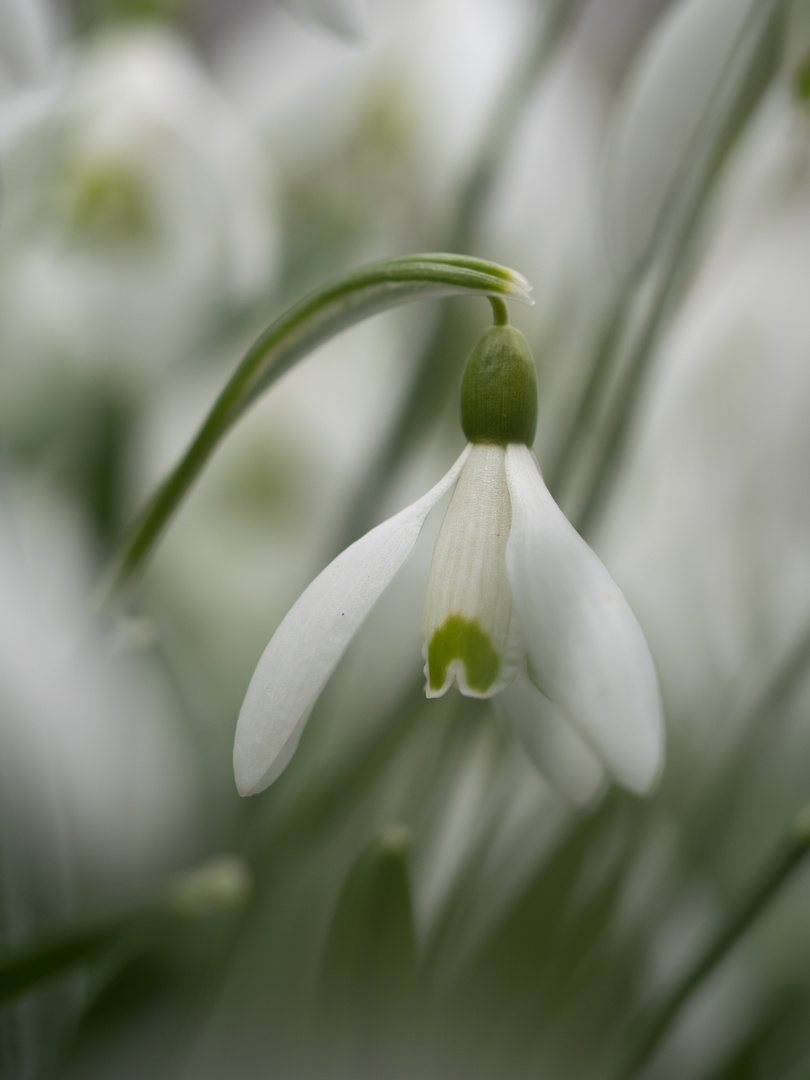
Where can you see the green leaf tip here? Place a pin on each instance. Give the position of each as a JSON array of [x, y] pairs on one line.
[[370, 957], [222, 884], [309, 323]]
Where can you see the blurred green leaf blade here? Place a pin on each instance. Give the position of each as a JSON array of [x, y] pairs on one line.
[[219, 885], [370, 970]]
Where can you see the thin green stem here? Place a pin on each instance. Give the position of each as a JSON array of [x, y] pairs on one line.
[[302, 328], [500, 315], [743, 915]]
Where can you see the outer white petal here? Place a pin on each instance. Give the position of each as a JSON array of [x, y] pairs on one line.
[[586, 650], [313, 636], [568, 764]]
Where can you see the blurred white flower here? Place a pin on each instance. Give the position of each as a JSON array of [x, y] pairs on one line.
[[516, 605], [134, 209], [419, 91], [90, 750]]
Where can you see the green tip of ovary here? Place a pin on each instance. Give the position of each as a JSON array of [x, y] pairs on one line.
[[459, 638]]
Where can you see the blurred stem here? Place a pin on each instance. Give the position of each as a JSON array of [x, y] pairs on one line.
[[742, 915], [557, 473], [440, 360], [760, 39], [555, 18], [219, 885], [785, 679], [716, 808], [319, 316]]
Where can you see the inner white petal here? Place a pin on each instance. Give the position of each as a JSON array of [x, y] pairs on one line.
[[470, 631], [558, 752]]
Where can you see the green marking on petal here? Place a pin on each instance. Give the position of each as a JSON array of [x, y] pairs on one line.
[[460, 638]]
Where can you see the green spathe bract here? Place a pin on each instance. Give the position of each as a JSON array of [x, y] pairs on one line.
[[460, 638], [499, 389]]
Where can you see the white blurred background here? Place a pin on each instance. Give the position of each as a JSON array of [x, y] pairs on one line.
[[174, 174]]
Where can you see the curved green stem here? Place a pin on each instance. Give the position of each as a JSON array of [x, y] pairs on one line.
[[306, 325], [779, 868]]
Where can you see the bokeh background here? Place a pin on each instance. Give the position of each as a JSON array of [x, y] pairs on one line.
[[411, 898]]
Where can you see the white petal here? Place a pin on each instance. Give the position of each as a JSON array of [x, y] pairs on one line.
[[586, 651], [313, 636], [539, 725], [467, 622]]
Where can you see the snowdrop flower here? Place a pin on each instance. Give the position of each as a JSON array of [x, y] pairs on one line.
[[135, 207], [517, 605], [92, 760]]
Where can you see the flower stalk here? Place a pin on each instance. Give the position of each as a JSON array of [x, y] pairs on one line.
[[321, 315]]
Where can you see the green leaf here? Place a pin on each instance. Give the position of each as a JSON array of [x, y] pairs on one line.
[[370, 968], [371, 949], [315, 319], [656, 1020], [220, 885]]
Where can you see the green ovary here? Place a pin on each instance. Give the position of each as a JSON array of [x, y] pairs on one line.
[[459, 638]]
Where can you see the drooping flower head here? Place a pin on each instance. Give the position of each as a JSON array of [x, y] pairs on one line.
[[517, 605]]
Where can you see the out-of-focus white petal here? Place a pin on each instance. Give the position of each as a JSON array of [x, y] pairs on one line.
[[569, 765], [135, 208], [313, 636], [345, 17], [468, 626], [586, 651]]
